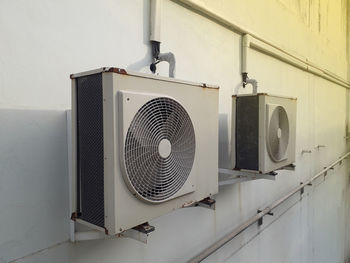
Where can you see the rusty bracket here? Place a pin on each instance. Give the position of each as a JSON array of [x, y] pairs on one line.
[[207, 203], [145, 228], [75, 216], [261, 221], [139, 233]]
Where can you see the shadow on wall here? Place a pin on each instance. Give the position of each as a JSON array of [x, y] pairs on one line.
[[33, 181], [147, 59]]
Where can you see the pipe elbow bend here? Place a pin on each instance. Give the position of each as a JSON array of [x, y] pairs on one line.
[[170, 58]]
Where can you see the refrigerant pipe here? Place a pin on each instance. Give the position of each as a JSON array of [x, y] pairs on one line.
[[155, 39]]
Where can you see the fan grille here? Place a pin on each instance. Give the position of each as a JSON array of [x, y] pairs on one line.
[[156, 176], [278, 134]]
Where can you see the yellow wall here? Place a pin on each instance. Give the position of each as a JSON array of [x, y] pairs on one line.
[[315, 29]]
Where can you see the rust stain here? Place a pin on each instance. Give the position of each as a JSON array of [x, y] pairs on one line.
[[188, 204], [116, 70], [278, 96], [205, 86], [74, 216]]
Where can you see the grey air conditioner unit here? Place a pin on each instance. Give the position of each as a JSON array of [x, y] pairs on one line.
[[264, 132], [142, 146]]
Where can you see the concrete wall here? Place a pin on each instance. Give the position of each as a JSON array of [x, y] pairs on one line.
[[44, 41]]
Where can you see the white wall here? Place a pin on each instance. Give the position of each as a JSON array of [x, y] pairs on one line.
[[43, 42]]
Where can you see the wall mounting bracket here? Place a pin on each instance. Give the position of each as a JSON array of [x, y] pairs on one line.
[[227, 176], [261, 220], [290, 167], [139, 233], [206, 203]]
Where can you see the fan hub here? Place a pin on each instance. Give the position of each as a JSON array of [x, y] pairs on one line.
[[164, 148], [279, 133]]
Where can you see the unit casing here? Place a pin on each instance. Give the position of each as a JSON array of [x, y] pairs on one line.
[[264, 132], [142, 146]]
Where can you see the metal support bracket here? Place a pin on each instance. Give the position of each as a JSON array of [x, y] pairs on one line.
[[290, 167], [326, 172], [139, 233], [227, 176], [206, 203], [302, 189], [261, 221]]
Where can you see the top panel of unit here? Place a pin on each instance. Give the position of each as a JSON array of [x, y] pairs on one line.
[[264, 94], [141, 75]]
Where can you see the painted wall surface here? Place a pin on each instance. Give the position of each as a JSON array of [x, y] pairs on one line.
[[307, 27], [42, 42]]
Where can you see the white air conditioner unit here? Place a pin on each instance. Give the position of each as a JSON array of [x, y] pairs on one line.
[[264, 132], [142, 146]]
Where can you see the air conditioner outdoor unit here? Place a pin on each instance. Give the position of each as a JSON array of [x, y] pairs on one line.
[[265, 130], [142, 146]]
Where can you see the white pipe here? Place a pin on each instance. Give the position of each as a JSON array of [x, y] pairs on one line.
[[254, 84], [266, 46], [231, 235], [156, 11], [245, 52], [249, 42], [155, 33], [170, 58]]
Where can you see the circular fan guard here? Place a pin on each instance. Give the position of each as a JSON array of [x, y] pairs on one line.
[[278, 134], [155, 177]]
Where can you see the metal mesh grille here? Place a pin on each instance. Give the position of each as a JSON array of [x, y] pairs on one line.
[[153, 176], [90, 148]]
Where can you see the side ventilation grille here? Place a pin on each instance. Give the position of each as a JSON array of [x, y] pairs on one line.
[[90, 148]]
